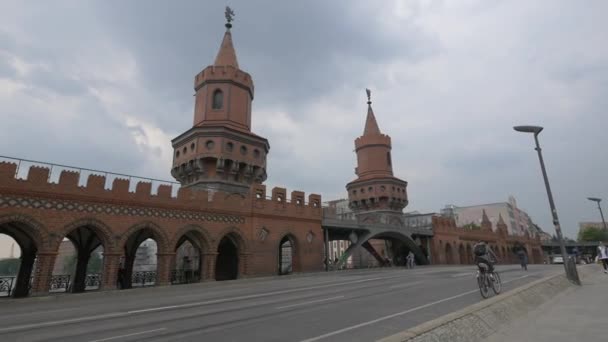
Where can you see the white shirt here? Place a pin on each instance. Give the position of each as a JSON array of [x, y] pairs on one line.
[[602, 252]]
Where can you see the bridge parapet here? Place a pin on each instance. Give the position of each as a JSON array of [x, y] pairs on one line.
[[101, 185]]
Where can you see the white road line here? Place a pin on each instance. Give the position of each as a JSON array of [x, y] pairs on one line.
[[162, 308], [320, 337], [309, 302], [129, 335], [458, 275]]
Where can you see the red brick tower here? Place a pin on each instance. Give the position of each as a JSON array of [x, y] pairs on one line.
[[486, 225], [220, 152], [375, 190]]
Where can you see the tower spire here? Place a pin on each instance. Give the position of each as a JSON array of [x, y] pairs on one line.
[[371, 126], [227, 55]]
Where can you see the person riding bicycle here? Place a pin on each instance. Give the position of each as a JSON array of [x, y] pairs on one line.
[[484, 255]]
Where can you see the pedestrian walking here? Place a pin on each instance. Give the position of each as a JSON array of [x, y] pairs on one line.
[[410, 260], [602, 254], [523, 259]]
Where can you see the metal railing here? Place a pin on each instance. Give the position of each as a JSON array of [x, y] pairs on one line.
[[107, 174], [6, 285], [143, 278], [60, 283], [92, 281], [181, 276]]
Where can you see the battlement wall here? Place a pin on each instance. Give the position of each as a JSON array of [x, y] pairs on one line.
[[38, 182], [213, 72]]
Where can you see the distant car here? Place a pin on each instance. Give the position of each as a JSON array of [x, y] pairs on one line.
[[557, 260]]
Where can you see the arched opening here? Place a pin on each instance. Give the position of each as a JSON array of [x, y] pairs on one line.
[[227, 262], [188, 258], [16, 273], [138, 266], [392, 249], [286, 256], [218, 99], [462, 254], [79, 262], [449, 256]]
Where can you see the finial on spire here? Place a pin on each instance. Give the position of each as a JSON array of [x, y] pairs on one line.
[[369, 96], [229, 13]]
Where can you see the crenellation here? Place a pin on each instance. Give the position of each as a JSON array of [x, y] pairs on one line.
[[143, 190], [69, 179], [259, 191], [96, 183], [120, 186], [8, 170], [297, 198], [314, 201], [38, 175], [164, 191], [279, 194]]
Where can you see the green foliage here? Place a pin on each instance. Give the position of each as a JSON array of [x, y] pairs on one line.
[[472, 226], [9, 267], [592, 234]]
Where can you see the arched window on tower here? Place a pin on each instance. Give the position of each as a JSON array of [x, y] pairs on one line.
[[388, 158], [218, 99]]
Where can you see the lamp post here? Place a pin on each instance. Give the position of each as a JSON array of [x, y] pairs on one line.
[[598, 200], [570, 270]]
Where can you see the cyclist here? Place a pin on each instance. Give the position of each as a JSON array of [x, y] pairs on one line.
[[484, 255]]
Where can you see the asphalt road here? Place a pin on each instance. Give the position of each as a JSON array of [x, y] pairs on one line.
[[334, 306]]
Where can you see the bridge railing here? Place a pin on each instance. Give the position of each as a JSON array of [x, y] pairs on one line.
[[333, 216]]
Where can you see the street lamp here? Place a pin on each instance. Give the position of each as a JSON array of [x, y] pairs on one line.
[[571, 272], [598, 200]]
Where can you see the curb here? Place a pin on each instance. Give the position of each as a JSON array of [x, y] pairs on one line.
[[479, 321]]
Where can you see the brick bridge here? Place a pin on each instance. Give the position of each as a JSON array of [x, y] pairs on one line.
[[236, 235]]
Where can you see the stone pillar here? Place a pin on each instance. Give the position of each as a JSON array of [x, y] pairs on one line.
[[244, 259], [209, 266], [22, 287], [109, 274], [164, 267], [78, 283], [45, 263]]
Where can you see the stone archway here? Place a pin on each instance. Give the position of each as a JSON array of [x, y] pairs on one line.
[[90, 240], [227, 261], [190, 249], [140, 263], [449, 254], [288, 260], [462, 254], [28, 237]]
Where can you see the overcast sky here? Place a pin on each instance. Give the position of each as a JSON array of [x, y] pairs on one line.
[[108, 84]]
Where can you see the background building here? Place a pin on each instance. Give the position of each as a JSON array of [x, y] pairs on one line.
[[517, 220]]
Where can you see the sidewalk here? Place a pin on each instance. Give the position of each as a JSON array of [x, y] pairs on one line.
[[579, 314]]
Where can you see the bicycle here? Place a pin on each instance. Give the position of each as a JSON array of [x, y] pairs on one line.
[[487, 280]]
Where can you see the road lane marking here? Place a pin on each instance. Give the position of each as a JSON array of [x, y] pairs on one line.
[[129, 335], [458, 275], [309, 302], [180, 306], [352, 327]]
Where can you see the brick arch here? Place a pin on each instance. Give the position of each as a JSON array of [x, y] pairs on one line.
[[295, 251], [161, 239], [234, 233], [34, 230], [204, 244], [103, 231]]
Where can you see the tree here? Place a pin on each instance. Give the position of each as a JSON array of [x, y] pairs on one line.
[[592, 234], [94, 265], [471, 226], [10, 266]]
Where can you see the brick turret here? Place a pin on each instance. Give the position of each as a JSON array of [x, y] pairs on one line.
[[220, 152], [486, 225], [375, 189]]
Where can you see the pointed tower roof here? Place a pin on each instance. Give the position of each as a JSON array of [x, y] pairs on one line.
[[484, 216], [227, 56], [500, 220], [371, 126]]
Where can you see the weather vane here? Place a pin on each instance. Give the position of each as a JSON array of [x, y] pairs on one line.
[[229, 16], [369, 96]]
